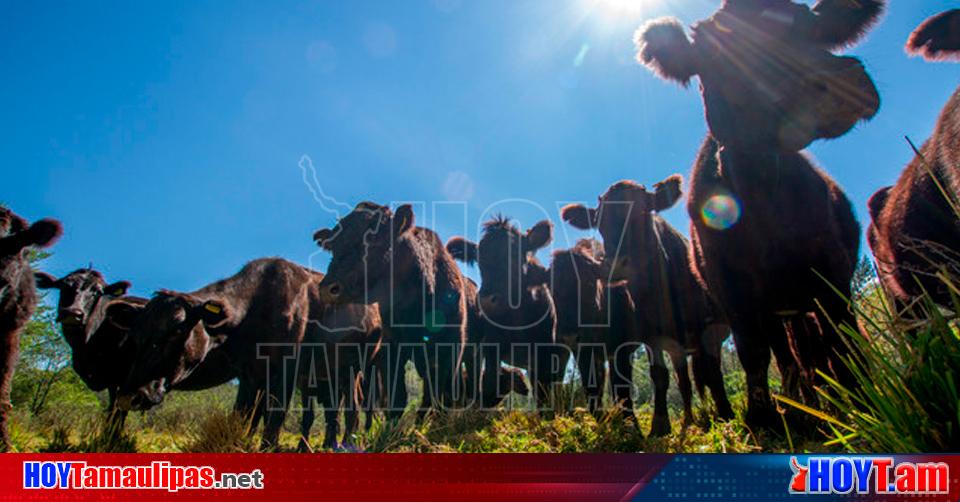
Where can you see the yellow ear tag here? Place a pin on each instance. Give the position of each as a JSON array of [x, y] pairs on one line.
[[213, 309]]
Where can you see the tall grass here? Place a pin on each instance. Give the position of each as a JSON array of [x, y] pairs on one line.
[[907, 371]]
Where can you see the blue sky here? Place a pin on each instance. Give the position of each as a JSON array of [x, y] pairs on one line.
[[167, 135]]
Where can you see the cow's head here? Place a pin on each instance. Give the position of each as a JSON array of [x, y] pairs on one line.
[[362, 245], [768, 77], [81, 291], [507, 261], [938, 38], [624, 217], [172, 339], [18, 234]]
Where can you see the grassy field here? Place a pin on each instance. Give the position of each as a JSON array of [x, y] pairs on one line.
[[202, 422]]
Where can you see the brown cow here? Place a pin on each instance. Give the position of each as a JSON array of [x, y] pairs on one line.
[[674, 313], [380, 256], [915, 230], [519, 316], [248, 326], [787, 233], [101, 349], [18, 296], [597, 320]]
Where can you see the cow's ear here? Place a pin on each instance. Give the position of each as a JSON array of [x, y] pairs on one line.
[[878, 201], [117, 289], [213, 313], [663, 46], [323, 238], [122, 314], [45, 280], [402, 220], [667, 193], [462, 250], [538, 236], [43, 233], [938, 38], [842, 23], [579, 216]]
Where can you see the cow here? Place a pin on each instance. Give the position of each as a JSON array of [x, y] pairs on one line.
[[248, 327], [915, 227], [773, 237], [519, 317], [673, 312], [101, 350], [379, 256], [597, 320], [18, 296]]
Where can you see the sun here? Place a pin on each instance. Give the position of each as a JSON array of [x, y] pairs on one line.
[[621, 7]]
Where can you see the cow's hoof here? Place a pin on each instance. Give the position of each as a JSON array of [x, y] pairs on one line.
[[660, 428], [764, 419], [725, 413]]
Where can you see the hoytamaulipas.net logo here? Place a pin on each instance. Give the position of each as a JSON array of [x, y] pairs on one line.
[[159, 475], [868, 475]]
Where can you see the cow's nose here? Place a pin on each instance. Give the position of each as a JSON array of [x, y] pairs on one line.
[[332, 291], [70, 316]]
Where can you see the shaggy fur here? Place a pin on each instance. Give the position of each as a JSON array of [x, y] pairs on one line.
[[18, 296], [770, 87], [915, 229], [102, 352], [673, 313], [381, 257], [515, 329]]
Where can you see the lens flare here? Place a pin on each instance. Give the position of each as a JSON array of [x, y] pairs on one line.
[[721, 212]]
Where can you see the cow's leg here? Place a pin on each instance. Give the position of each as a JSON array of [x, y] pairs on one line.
[[792, 351], [621, 379], [351, 402], [807, 346], [837, 312], [421, 361], [277, 401], [470, 381], [115, 416], [249, 403], [373, 386], [306, 421], [9, 350], [707, 364], [661, 382], [396, 384], [591, 376], [550, 363], [753, 350], [679, 359], [489, 384], [331, 417], [445, 359]]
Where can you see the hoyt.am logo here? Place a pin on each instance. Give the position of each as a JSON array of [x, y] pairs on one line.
[[868, 475]]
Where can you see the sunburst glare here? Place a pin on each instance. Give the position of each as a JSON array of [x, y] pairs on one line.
[[621, 7]]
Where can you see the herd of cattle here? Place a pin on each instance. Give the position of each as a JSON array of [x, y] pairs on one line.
[[776, 276]]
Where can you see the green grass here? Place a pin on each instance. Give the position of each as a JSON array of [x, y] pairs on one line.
[[202, 422], [908, 400]]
